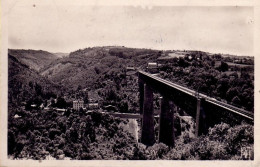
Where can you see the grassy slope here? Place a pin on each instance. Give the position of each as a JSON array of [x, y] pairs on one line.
[[34, 59]]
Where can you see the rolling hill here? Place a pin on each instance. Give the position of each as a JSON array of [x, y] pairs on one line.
[[104, 68], [34, 59], [25, 83], [88, 66]]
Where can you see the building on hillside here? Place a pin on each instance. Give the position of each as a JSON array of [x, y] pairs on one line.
[[130, 68], [42, 106], [92, 106], [61, 109], [152, 67], [34, 106], [77, 104], [110, 108]]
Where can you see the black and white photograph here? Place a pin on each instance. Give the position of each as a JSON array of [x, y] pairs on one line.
[[126, 82]]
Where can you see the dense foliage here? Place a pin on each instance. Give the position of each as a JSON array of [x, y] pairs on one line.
[[212, 76], [41, 134], [38, 134], [222, 142], [102, 69], [96, 67], [26, 85]]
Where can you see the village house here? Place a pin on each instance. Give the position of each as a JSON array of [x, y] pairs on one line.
[[152, 67], [77, 104], [92, 106]]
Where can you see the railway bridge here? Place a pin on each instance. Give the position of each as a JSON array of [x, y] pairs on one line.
[[206, 110]]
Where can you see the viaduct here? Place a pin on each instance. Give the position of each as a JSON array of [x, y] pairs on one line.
[[205, 110]]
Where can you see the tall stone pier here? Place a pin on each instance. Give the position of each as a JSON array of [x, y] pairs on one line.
[[148, 134], [197, 118], [166, 127], [201, 125]]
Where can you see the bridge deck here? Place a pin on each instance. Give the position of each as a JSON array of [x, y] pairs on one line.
[[192, 93]]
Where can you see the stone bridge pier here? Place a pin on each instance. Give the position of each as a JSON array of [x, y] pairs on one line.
[[166, 120], [166, 123], [148, 134]]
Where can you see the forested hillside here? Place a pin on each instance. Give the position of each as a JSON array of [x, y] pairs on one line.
[[86, 67], [34, 59], [215, 75], [25, 84], [35, 77], [84, 136], [224, 77]]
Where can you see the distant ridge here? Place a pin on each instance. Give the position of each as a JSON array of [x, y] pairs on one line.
[[34, 59], [61, 54]]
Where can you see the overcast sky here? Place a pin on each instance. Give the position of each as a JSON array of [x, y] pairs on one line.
[[57, 28]]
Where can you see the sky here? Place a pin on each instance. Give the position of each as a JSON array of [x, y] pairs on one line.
[[66, 28]]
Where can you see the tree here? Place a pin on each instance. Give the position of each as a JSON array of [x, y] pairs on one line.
[[123, 106], [217, 56], [183, 62], [81, 111], [222, 87], [236, 100], [38, 89], [31, 84], [61, 103], [111, 95], [231, 93], [79, 87], [67, 112], [11, 141], [52, 102], [86, 98], [97, 70], [223, 66]]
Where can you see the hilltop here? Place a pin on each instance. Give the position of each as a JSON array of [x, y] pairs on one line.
[[34, 59], [84, 67]]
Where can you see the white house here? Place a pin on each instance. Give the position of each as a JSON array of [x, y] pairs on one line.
[[77, 104]]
